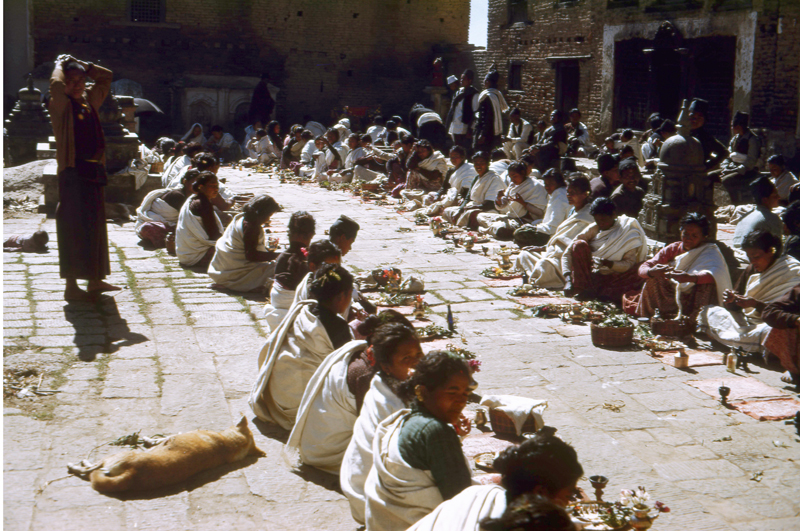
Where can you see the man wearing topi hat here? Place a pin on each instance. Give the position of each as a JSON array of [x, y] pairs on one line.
[[462, 112], [714, 151], [742, 164]]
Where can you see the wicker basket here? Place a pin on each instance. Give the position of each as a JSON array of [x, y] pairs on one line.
[[671, 327], [503, 425], [370, 187], [609, 336]]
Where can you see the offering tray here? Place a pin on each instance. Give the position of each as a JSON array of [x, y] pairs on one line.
[[498, 273], [485, 461], [588, 514]]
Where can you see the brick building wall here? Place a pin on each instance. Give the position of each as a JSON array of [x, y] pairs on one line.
[[740, 54], [320, 53]]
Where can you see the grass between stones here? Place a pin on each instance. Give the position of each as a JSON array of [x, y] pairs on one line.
[[133, 285], [168, 280], [159, 374]]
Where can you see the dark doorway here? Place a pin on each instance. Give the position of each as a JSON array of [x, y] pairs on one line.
[[568, 80], [668, 77]]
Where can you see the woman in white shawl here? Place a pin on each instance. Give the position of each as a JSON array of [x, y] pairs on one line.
[[382, 400], [194, 134], [158, 214], [539, 231], [335, 394], [180, 162], [482, 194], [199, 226], [524, 200], [603, 260], [456, 186], [543, 264], [417, 457], [426, 170], [543, 465], [345, 174], [768, 277], [333, 156], [684, 276], [307, 335], [241, 261]]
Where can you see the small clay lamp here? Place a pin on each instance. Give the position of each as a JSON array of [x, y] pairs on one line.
[[598, 483]]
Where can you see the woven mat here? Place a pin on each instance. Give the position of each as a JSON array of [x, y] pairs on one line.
[[512, 282], [770, 408], [697, 358], [746, 388], [537, 301]]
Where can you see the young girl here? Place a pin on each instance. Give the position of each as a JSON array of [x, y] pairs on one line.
[[242, 262], [290, 267], [334, 395], [418, 461], [199, 226], [543, 466], [319, 253], [309, 333], [394, 365]]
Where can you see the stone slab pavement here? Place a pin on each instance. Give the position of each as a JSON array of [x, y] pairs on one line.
[[168, 355]]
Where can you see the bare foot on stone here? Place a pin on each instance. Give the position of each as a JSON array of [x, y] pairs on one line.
[[75, 294], [98, 286]]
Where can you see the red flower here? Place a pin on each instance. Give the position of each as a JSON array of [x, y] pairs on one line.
[[370, 356], [304, 251]]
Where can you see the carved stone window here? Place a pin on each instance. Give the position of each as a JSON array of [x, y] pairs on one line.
[[517, 11]]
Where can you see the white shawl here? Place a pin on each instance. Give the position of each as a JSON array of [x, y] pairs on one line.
[[352, 157], [463, 176], [784, 183], [379, 403], [531, 191], [465, 511], [625, 234], [287, 362], [499, 106], [486, 188], [326, 415], [191, 238], [341, 148], [280, 301], [172, 170], [435, 162], [428, 117], [555, 213], [544, 269], [301, 292], [155, 210], [230, 267], [706, 258], [398, 495], [773, 283], [200, 139]]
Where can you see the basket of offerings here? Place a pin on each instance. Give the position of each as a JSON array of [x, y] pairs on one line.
[[671, 327], [502, 424], [498, 273], [614, 331]]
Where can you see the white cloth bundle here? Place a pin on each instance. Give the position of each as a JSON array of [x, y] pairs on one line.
[[518, 408], [398, 495], [287, 362], [327, 414], [428, 117], [379, 403], [231, 268], [191, 238], [280, 301]]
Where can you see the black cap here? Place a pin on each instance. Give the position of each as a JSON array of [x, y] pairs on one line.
[[628, 163], [741, 118], [699, 105]]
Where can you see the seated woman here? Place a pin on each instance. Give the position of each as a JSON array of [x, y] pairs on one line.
[[309, 333], [762, 218], [524, 200], [345, 173], [203, 161], [319, 253], [783, 315], [291, 267], [194, 134], [456, 184], [199, 226], [768, 277], [158, 214], [306, 159], [418, 462], [293, 148], [684, 276], [333, 397], [259, 147], [539, 231], [274, 146], [241, 261], [223, 145], [182, 161], [482, 194], [426, 170], [783, 179], [603, 260], [531, 512], [383, 398], [543, 265], [335, 152], [543, 465]]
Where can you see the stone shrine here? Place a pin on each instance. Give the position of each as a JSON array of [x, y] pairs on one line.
[[679, 186], [27, 125]]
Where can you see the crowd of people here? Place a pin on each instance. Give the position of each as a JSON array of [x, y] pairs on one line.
[[352, 385]]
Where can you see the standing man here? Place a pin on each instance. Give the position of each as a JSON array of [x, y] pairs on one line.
[[714, 151], [80, 153], [491, 106], [520, 135], [462, 112]]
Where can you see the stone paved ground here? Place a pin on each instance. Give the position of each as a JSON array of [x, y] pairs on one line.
[[170, 355]]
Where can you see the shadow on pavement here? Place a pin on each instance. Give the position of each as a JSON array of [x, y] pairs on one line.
[[272, 431], [99, 328]]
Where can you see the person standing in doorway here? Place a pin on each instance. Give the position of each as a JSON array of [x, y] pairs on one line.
[[80, 153]]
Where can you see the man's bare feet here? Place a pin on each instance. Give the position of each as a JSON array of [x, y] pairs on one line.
[[98, 286], [76, 294]]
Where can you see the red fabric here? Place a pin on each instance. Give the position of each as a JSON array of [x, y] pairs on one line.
[[659, 293], [783, 343], [612, 286], [155, 233]]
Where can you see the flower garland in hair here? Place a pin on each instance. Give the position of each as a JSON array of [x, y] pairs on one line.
[[304, 251], [329, 275]]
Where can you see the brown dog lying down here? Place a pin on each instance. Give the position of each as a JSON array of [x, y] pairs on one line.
[[171, 460]]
